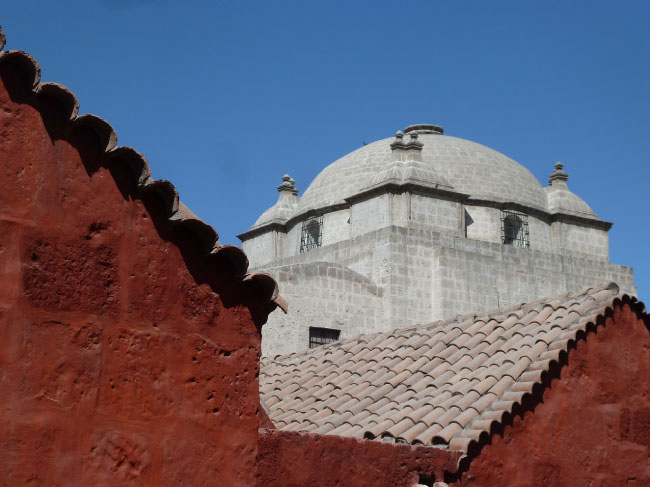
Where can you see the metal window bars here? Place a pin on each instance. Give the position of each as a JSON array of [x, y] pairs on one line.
[[514, 228], [312, 233], [322, 336]]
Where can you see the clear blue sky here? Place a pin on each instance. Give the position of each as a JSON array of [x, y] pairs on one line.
[[225, 97]]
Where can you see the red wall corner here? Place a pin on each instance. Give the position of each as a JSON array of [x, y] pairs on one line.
[[592, 427]]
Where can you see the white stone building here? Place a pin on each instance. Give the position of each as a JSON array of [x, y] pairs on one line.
[[418, 228]]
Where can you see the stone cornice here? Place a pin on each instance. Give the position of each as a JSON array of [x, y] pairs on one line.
[[440, 192], [407, 187]]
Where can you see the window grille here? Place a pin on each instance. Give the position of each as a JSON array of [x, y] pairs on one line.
[[514, 228], [322, 336], [312, 233]]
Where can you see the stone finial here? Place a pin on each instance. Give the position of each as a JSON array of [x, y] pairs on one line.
[[414, 143], [288, 184], [398, 143], [3, 39], [558, 177]]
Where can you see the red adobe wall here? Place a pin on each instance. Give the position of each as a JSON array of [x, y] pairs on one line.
[[593, 427], [291, 459], [119, 363]]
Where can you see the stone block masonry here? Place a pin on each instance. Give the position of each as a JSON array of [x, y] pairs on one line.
[[400, 276]]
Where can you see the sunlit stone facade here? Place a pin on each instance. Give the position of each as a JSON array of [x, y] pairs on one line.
[[418, 228]]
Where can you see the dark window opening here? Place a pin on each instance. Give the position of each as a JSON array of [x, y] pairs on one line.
[[322, 336], [427, 480], [514, 228], [312, 233]]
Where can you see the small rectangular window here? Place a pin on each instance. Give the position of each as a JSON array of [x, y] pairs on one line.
[[322, 336], [514, 228], [312, 233]]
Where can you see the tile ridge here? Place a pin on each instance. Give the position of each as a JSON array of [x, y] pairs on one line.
[[512, 402]]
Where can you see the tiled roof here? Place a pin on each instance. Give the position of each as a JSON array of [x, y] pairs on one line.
[[439, 384], [177, 213]]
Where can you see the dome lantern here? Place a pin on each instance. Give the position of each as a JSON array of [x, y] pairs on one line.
[[424, 128]]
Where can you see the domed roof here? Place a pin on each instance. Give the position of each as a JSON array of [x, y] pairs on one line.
[[284, 208], [562, 200], [466, 166]]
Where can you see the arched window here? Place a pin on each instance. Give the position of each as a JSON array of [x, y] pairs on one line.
[[514, 228]]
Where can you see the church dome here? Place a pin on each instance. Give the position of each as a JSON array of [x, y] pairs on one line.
[[466, 166]]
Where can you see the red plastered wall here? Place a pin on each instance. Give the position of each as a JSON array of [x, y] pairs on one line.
[[119, 363], [291, 459]]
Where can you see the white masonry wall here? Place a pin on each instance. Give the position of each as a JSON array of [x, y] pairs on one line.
[[441, 215], [336, 226], [371, 214], [485, 224], [264, 248], [400, 276], [324, 295], [581, 240]]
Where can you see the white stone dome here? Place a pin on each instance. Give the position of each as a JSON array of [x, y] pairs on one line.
[[284, 208], [564, 201], [466, 166], [278, 213], [561, 200]]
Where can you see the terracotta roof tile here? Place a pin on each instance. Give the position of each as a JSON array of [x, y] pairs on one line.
[[442, 383], [411, 434]]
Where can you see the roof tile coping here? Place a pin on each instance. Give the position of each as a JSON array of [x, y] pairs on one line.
[[177, 212], [459, 406]]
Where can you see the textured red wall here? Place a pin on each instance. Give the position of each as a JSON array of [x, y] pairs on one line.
[[116, 366], [593, 427], [290, 459]]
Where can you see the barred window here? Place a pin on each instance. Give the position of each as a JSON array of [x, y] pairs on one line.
[[322, 336], [514, 228], [312, 233]]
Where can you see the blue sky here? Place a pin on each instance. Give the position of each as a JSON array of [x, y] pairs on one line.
[[225, 97]]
